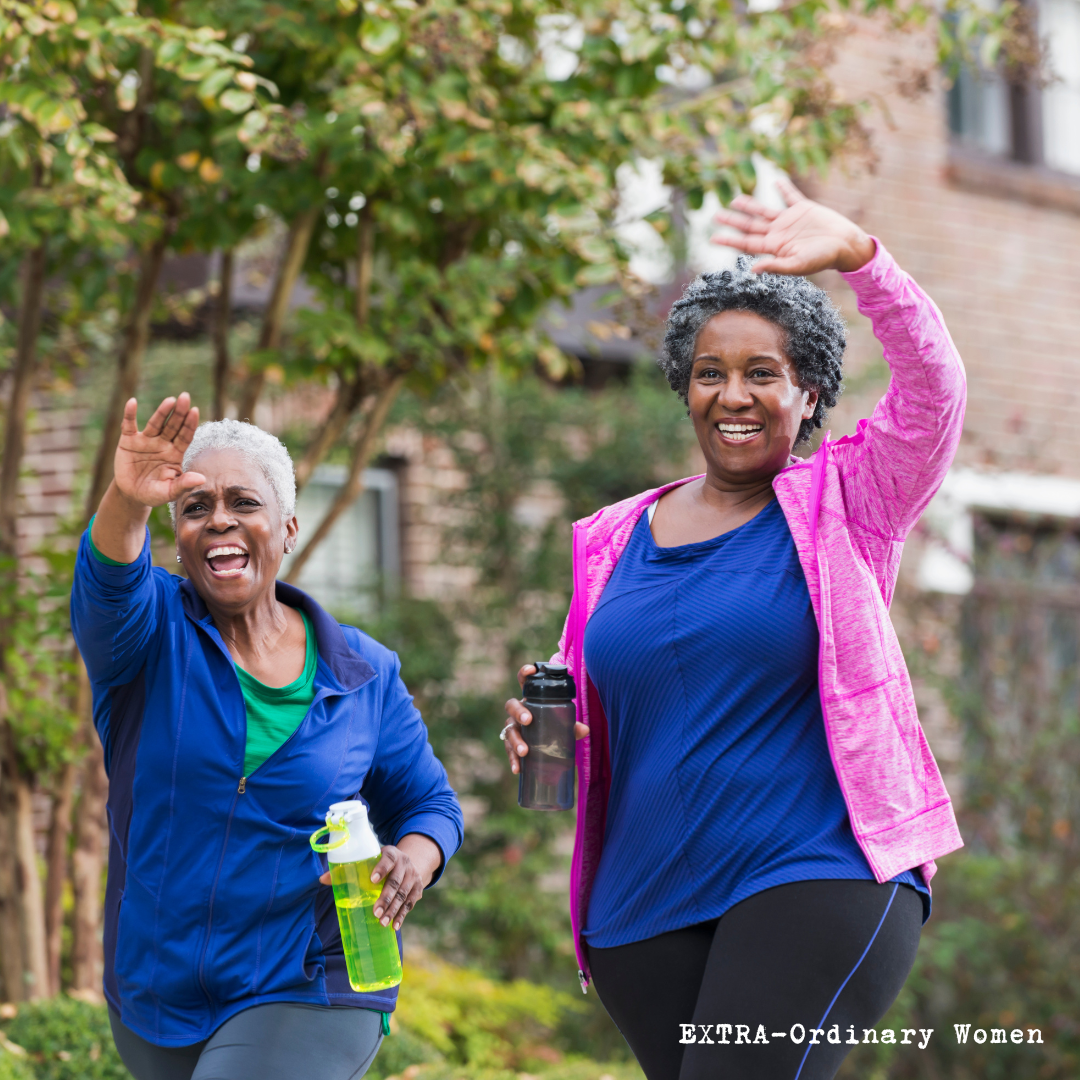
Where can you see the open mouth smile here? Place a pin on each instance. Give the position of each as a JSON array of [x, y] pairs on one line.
[[731, 431], [227, 560]]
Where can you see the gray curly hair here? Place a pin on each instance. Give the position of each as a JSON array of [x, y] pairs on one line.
[[260, 446], [815, 334]]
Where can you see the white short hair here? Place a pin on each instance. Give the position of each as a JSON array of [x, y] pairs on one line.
[[264, 449]]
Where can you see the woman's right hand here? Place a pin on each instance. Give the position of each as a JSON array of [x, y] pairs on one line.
[[148, 467], [518, 716]]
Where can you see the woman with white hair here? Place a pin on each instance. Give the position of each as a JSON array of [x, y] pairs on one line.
[[233, 711]]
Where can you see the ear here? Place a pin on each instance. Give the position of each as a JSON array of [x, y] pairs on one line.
[[811, 404], [292, 530]]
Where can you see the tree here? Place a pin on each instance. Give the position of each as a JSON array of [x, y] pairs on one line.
[[469, 164], [75, 86]]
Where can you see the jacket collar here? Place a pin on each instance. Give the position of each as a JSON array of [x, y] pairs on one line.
[[349, 668]]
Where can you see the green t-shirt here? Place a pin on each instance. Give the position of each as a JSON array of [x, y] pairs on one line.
[[273, 712]]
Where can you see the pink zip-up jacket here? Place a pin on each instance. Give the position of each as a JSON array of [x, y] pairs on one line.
[[849, 508]]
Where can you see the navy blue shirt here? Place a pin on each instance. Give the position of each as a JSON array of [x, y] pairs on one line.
[[705, 658]]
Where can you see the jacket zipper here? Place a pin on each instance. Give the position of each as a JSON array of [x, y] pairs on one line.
[[243, 786]]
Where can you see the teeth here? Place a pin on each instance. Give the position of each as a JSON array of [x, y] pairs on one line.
[[213, 553], [739, 432]]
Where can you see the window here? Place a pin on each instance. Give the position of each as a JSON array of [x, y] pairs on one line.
[[1026, 123], [361, 556], [1060, 24]]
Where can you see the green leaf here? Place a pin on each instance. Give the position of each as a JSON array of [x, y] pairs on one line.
[[236, 101], [379, 35]]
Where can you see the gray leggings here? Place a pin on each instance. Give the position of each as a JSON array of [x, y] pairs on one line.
[[278, 1041]]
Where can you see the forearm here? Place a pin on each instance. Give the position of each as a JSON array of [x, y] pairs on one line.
[[424, 853], [119, 529]]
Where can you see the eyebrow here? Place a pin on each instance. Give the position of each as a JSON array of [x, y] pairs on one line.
[[204, 493]]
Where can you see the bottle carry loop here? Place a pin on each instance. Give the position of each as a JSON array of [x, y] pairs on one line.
[[322, 849]]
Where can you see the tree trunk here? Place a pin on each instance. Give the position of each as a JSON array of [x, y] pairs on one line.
[[222, 318], [129, 367], [292, 262], [87, 860], [33, 290], [352, 487], [12, 941], [56, 863], [350, 392], [30, 896], [11, 949]]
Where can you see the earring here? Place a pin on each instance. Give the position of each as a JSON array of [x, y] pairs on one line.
[[178, 559]]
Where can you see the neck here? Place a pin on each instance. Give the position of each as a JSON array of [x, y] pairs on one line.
[[726, 495], [254, 629]]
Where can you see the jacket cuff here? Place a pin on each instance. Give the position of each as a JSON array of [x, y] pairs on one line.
[[112, 573], [877, 283], [443, 832]]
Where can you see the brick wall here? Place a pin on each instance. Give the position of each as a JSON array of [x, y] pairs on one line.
[[1003, 271]]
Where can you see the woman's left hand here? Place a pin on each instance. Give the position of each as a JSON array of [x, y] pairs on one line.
[[803, 239], [407, 869]]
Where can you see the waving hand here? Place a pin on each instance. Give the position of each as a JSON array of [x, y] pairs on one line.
[[802, 239], [148, 467]]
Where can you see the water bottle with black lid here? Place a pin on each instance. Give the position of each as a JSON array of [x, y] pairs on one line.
[[546, 780]]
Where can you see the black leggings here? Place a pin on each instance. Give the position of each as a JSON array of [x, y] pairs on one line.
[[812, 953]]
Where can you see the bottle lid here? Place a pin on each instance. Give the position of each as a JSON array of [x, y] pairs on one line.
[[551, 682], [348, 822]]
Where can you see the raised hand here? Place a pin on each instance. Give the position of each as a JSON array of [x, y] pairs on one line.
[[148, 467], [804, 238]]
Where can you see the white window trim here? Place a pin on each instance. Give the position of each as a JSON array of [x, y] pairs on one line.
[[948, 523]]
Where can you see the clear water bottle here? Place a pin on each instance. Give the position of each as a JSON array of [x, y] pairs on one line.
[[546, 780], [352, 849]]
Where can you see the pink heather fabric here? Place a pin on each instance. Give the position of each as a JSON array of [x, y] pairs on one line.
[[849, 508]]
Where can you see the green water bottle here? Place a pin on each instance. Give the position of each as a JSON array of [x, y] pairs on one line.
[[371, 949]]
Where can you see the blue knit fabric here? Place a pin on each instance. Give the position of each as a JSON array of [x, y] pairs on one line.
[[705, 658]]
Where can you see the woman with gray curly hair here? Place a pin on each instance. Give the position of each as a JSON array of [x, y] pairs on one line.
[[758, 810], [233, 711]]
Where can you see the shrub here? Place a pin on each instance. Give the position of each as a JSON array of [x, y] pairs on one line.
[[65, 1039]]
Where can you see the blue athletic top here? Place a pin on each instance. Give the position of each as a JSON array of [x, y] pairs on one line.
[[705, 659]]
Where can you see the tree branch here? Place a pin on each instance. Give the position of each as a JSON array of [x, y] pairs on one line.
[[222, 317], [292, 262], [352, 487], [129, 366], [33, 291]]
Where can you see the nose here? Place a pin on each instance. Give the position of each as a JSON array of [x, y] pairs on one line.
[[221, 518], [735, 392]]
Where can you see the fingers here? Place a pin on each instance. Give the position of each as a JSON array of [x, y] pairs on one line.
[[752, 244], [402, 889], [177, 418], [186, 482], [525, 669], [187, 429], [754, 207], [324, 879], [129, 425], [790, 192], [157, 421], [513, 740], [789, 265], [581, 731]]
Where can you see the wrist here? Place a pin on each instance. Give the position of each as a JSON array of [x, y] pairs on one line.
[[860, 250], [425, 854]]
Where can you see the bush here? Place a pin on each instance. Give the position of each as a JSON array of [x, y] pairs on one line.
[[14, 1067], [473, 1020], [65, 1040]]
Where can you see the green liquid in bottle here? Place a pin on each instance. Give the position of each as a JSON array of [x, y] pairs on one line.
[[371, 949]]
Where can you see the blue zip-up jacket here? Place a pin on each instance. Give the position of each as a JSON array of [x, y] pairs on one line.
[[213, 903]]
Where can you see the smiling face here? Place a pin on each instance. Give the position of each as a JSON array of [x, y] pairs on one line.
[[744, 397], [229, 531]]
